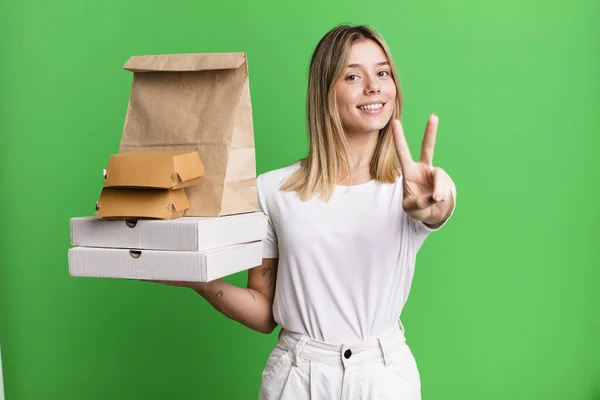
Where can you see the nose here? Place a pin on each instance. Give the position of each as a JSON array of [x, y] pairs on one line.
[[372, 86]]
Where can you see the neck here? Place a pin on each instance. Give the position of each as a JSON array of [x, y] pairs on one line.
[[362, 147]]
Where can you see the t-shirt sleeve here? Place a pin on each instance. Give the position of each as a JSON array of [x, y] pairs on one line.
[[270, 244]]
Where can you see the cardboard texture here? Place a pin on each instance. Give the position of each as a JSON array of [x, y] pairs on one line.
[[125, 203], [164, 265], [197, 102], [165, 169], [181, 234]]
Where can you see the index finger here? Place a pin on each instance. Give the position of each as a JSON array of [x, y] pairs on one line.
[[401, 145]]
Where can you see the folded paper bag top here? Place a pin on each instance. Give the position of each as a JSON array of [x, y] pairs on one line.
[[197, 102], [165, 169], [126, 203], [185, 62]]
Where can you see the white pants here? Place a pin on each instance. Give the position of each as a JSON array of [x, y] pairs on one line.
[[302, 368]]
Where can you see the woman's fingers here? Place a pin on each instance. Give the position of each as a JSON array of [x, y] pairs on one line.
[[428, 143], [440, 184], [401, 146], [421, 202]]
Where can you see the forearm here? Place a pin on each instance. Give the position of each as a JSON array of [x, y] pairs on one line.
[[246, 306]]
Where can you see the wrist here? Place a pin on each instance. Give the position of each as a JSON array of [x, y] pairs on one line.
[[440, 219]]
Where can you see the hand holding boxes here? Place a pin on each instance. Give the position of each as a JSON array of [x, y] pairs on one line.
[[179, 201]]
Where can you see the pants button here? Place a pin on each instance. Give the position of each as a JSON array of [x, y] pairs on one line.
[[348, 353]]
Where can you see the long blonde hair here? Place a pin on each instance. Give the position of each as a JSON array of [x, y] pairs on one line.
[[328, 154]]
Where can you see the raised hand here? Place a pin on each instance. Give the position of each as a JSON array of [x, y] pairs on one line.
[[427, 189]]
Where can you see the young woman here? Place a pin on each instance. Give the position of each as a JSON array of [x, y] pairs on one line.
[[345, 225]]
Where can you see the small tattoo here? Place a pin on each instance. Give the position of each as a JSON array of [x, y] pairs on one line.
[[220, 293], [264, 272], [252, 294]]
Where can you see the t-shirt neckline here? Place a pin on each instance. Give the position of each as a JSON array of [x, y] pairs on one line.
[[359, 185]]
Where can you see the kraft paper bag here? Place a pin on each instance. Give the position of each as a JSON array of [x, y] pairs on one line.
[[197, 102]]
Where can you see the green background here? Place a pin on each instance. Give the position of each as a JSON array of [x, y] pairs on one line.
[[505, 302]]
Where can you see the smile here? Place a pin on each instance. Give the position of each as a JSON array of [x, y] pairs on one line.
[[371, 107]]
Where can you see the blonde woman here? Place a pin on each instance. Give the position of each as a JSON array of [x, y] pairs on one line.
[[345, 225]]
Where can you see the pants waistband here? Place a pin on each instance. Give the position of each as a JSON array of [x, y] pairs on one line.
[[303, 348]]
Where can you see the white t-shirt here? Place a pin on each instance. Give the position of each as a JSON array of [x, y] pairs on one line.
[[346, 266]]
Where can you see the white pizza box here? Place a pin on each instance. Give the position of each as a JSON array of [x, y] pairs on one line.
[[193, 266], [179, 234]]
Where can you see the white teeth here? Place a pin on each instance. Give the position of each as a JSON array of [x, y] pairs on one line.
[[371, 106]]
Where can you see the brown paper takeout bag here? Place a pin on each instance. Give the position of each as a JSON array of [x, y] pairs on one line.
[[197, 102]]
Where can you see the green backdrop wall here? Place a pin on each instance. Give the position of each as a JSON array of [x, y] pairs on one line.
[[505, 300]]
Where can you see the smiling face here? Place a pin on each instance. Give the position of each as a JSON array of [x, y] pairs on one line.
[[366, 92]]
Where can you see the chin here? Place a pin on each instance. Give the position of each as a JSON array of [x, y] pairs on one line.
[[367, 125], [377, 126]]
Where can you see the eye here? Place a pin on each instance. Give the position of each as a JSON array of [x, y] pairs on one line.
[[383, 73], [352, 77]]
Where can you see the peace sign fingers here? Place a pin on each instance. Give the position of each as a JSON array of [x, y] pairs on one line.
[[428, 143], [424, 187]]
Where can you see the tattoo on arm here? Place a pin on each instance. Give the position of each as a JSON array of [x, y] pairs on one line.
[[219, 293], [252, 294], [266, 271]]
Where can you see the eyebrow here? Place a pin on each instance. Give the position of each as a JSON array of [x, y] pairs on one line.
[[378, 64]]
